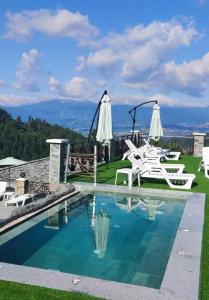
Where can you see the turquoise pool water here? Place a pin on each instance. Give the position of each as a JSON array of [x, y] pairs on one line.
[[113, 237]]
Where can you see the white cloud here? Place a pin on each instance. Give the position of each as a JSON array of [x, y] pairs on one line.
[[191, 78], [2, 83], [163, 100], [14, 100], [201, 2], [28, 71], [59, 23], [76, 88], [152, 46], [141, 58], [139, 51], [132, 99]]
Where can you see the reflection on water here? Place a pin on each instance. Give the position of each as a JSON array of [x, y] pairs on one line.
[[100, 223], [58, 216], [131, 203], [121, 238], [152, 206]]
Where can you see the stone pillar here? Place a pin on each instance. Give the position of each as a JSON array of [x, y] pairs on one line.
[[199, 140], [136, 134], [22, 186], [57, 161]]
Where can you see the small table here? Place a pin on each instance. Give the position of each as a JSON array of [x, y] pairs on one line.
[[130, 173]]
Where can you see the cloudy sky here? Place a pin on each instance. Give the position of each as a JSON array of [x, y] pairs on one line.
[[137, 50]]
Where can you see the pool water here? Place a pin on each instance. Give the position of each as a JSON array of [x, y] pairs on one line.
[[109, 236]]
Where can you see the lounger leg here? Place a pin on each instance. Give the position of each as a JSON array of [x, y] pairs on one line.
[[206, 172], [186, 186], [180, 170], [116, 178], [139, 183], [130, 179]]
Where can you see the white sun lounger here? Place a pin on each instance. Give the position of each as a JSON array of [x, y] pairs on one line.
[[172, 168], [169, 155], [174, 180], [142, 152], [205, 161], [19, 199], [3, 185]]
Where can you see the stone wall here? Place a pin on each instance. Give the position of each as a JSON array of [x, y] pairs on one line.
[[199, 140], [35, 170]]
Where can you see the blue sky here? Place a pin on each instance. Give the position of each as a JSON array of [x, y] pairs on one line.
[[137, 50]]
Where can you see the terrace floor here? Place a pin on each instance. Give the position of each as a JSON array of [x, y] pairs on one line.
[[106, 175]]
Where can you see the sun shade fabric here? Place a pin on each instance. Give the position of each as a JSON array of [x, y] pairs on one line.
[[11, 161], [156, 130], [104, 129]]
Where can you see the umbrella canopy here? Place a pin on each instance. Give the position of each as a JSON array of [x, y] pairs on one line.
[[104, 128], [156, 130], [102, 224], [11, 161]]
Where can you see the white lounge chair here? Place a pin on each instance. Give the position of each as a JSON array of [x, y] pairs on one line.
[[172, 168], [3, 185], [169, 155], [205, 161], [142, 152], [174, 180], [19, 199]]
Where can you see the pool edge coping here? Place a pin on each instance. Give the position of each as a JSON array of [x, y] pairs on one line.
[[12, 224], [185, 286]]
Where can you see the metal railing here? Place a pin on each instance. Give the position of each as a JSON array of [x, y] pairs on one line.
[[206, 144], [184, 144]]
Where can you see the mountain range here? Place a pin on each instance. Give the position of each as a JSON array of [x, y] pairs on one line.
[[78, 115]]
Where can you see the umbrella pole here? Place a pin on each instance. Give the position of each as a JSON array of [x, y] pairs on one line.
[[93, 211], [95, 165], [9, 176]]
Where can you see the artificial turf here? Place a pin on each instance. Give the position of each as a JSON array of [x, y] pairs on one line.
[[106, 175], [17, 291]]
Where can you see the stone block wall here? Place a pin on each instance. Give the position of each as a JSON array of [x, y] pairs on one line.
[[199, 139], [35, 170]]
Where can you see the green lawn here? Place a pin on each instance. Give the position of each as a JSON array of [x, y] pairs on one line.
[[16, 291], [106, 175]]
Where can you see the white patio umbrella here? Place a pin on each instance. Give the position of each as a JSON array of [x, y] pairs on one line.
[[156, 130], [11, 161], [104, 128], [102, 224]]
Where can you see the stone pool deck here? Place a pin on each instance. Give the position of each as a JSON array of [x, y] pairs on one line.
[[181, 279], [5, 212]]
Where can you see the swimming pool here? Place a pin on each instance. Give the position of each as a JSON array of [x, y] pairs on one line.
[[116, 237]]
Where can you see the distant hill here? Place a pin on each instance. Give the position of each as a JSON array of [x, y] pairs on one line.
[[27, 140], [78, 116]]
